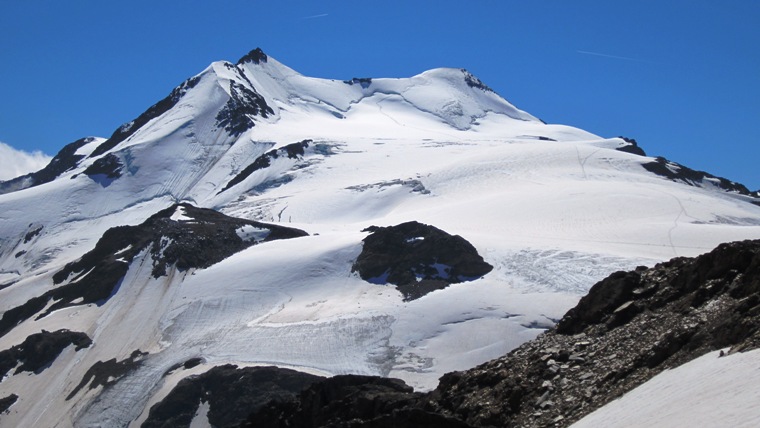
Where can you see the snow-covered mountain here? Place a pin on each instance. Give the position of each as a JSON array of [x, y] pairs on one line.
[[224, 225]]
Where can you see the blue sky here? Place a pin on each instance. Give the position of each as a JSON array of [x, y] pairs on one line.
[[680, 76]]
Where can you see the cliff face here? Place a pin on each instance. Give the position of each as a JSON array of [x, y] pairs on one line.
[[630, 327]]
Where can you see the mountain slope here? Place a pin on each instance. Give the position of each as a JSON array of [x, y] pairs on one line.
[[553, 209]]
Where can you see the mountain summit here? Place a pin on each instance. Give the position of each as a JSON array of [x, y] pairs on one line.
[[372, 226]]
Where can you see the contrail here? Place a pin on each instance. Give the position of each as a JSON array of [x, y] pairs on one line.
[[611, 56], [321, 15]]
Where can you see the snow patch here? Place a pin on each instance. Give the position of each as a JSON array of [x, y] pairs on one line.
[[200, 419], [252, 233], [180, 215]]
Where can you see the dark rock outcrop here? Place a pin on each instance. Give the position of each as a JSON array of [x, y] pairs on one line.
[[413, 184], [35, 231], [417, 258], [680, 173], [7, 402], [198, 239], [65, 160], [677, 172], [256, 56], [632, 147], [105, 169], [107, 373], [39, 350], [188, 364], [474, 82], [630, 327], [232, 393], [364, 82], [291, 151], [244, 104]]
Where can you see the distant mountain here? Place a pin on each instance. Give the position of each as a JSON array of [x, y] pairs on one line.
[[402, 228]]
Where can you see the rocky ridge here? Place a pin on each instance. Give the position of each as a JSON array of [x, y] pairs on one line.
[[181, 236], [677, 172], [65, 160]]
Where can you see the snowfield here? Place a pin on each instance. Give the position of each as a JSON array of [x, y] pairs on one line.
[[711, 391], [553, 208]]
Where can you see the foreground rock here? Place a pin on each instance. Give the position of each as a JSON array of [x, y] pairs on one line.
[[352, 401], [630, 327], [230, 394]]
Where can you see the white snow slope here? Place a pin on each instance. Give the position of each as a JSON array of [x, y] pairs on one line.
[[553, 208], [710, 392]]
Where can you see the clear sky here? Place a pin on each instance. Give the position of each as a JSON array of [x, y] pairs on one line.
[[680, 76]]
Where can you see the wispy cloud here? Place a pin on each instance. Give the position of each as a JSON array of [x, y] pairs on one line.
[[624, 58], [321, 15], [14, 163]]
